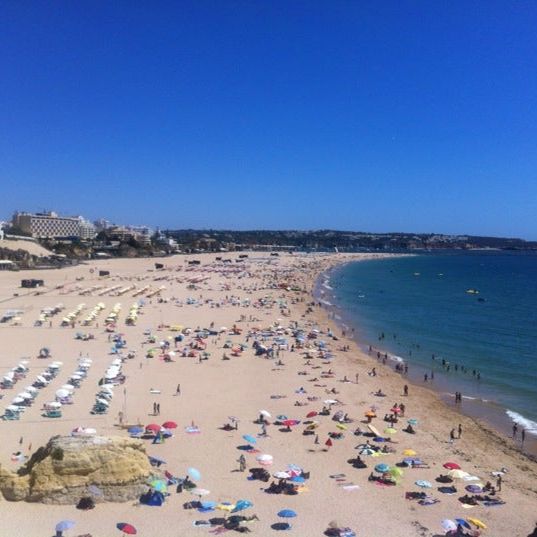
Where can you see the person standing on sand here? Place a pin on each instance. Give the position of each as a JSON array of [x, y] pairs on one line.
[[460, 430], [515, 430], [499, 483], [178, 390], [242, 463], [523, 436], [357, 376], [452, 436], [405, 390]]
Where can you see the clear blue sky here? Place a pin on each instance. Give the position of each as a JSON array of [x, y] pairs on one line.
[[359, 115]]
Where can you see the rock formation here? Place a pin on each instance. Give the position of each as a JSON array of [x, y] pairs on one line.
[[66, 468]]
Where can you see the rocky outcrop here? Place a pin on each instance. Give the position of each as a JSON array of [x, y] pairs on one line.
[[65, 469]]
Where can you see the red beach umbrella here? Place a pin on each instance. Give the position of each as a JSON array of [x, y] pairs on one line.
[[311, 414], [169, 425], [328, 443], [452, 466], [153, 427], [290, 423], [127, 529]]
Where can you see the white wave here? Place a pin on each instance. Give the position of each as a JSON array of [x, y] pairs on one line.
[[326, 302], [337, 316], [527, 424], [326, 286], [396, 358]]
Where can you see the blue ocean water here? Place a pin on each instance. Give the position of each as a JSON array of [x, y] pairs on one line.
[[422, 307]]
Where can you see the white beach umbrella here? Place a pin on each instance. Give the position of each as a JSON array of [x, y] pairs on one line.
[[62, 393], [68, 387]]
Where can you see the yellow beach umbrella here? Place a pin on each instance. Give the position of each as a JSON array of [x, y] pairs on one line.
[[390, 430], [341, 426], [409, 452], [478, 523]]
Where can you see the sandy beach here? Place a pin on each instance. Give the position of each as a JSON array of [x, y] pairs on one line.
[[259, 299]]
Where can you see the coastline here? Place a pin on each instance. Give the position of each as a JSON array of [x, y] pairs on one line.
[[490, 415], [218, 388]]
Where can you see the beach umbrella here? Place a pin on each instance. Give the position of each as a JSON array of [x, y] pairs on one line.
[[155, 460], [457, 474], [409, 452], [448, 525], [282, 475], [159, 485], [382, 468], [297, 479], [390, 430], [281, 417], [265, 459], [135, 430], [194, 474], [286, 513], [370, 414], [474, 489], [169, 425], [265, 413], [341, 426], [412, 421], [127, 529], [208, 505], [478, 523], [451, 466], [241, 505], [328, 443], [290, 423], [395, 410], [396, 472], [153, 427], [200, 492], [330, 402], [249, 438], [225, 506], [311, 414], [65, 525], [463, 523], [423, 484]]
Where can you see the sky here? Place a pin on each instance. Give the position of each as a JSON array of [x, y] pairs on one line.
[[411, 116]]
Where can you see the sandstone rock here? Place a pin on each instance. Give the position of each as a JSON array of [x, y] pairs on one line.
[[62, 471]]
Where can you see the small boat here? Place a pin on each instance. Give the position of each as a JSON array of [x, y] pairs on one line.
[[472, 291]]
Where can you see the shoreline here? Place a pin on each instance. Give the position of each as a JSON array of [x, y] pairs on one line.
[[491, 415], [257, 295]]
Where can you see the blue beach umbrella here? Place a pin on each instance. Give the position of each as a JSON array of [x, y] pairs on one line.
[[423, 484], [412, 421], [65, 525], [463, 523], [241, 505], [249, 438], [135, 430], [382, 468], [297, 479], [287, 513], [194, 474]]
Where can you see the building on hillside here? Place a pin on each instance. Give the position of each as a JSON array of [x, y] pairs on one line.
[[47, 225]]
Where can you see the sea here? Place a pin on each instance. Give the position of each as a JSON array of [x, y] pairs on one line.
[[469, 320]]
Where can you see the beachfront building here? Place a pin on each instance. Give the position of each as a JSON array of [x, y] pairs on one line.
[[87, 229], [47, 225]]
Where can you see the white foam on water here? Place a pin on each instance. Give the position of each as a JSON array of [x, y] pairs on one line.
[[326, 286], [326, 302], [519, 419], [396, 358]]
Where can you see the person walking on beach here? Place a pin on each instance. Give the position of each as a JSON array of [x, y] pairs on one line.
[[452, 436], [158, 409], [154, 409], [242, 463], [499, 483], [405, 390], [515, 430], [357, 377], [178, 390], [523, 436], [460, 430]]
